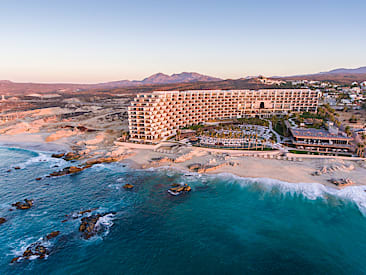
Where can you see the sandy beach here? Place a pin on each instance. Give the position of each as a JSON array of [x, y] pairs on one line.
[[32, 142], [296, 169], [302, 170]]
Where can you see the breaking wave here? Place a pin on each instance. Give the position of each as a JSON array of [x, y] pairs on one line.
[[311, 191]]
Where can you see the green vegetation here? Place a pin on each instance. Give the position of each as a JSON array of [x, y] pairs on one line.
[[194, 127], [298, 152], [328, 113], [310, 115], [279, 126], [353, 119], [348, 131], [253, 121]]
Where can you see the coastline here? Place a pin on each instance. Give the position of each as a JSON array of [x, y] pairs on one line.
[[32, 142], [249, 167]]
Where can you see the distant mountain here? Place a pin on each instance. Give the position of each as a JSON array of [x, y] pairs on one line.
[[361, 70], [184, 77], [156, 79], [161, 78], [341, 75], [185, 80]]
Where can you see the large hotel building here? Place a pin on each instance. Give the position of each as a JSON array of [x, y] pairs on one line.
[[155, 116]]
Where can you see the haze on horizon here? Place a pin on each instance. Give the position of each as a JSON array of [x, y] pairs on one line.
[[98, 41]]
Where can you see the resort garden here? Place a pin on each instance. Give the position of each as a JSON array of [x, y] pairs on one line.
[[236, 136]]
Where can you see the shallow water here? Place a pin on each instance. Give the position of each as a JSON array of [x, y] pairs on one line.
[[225, 225]]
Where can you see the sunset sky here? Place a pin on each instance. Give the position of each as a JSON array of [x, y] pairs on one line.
[[97, 41]]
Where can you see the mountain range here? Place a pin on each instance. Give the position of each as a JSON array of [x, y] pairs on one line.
[[360, 70], [198, 81], [161, 78], [341, 75]]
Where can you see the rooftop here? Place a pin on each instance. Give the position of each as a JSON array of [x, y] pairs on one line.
[[316, 133]]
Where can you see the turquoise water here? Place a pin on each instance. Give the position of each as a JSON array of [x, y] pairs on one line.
[[226, 225]]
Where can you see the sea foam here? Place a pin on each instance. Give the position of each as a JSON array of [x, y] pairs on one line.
[[311, 191]]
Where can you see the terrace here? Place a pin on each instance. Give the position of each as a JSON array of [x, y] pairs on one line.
[[237, 137], [318, 140]]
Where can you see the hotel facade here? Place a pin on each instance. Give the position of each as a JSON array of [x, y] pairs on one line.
[[158, 115]]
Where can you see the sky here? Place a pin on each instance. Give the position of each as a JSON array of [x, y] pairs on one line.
[[91, 41]]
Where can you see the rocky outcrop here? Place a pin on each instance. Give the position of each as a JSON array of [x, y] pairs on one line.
[[178, 189], [78, 214], [102, 160], [200, 168], [23, 205], [52, 235], [60, 155], [37, 249], [333, 168], [156, 162], [342, 182], [87, 211], [195, 167], [71, 156], [88, 226], [128, 186], [88, 164], [67, 171], [2, 220]]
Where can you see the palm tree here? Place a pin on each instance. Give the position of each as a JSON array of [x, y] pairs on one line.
[[360, 149]]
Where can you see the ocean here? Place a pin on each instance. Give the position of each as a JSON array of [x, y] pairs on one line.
[[225, 225]]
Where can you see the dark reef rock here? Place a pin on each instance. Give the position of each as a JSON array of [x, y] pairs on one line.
[[88, 225], [37, 249], [2, 220], [67, 171], [71, 156], [75, 169], [23, 205], [79, 214], [128, 186], [178, 189], [52, 235], [58, 155]]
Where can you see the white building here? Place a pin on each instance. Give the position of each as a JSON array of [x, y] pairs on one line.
[[160, 114], [363, 85]]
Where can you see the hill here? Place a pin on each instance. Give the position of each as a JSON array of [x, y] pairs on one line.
[[341, 76], [7, 86]]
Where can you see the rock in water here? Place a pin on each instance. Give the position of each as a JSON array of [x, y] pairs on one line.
[[23, 205], [67, 171], [58, 155], [15, 259], [179, 189], [52, 235], [74, 169], [2, 220], [128, 186], [71, 156], [88, 225], [37, 249]]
